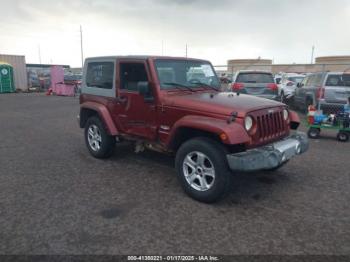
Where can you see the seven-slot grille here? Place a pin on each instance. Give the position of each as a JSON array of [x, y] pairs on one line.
[[270, 126]]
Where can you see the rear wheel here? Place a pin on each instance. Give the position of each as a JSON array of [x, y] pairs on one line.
[[314, 133], [343, 136], [202, 169], [99, 143]]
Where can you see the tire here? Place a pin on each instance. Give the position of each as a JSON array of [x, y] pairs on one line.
[[313, 133], [343, 136], [216, 183], [99, 143]]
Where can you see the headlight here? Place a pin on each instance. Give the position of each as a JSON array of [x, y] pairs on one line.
[[248, 123], [285, 114]]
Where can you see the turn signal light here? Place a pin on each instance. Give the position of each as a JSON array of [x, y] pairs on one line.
[[223, 136]]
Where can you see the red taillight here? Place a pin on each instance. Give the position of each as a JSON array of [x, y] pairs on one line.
[[320, 93], [273, 87], [290, 84], [237, 86]]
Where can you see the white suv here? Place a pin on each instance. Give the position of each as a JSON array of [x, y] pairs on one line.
[[288, 85]]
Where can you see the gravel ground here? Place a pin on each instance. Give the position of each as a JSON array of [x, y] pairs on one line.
[[56, 199]]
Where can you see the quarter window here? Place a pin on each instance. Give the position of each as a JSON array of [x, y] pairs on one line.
[[100, 75]]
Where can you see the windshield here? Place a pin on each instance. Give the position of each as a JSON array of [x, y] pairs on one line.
[[336, 80], [186, 73], [296, 79], [255, 78]]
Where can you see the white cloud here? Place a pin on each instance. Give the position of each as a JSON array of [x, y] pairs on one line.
[[283, 30]]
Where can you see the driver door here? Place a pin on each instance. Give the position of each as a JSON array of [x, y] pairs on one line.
[[137, 112]]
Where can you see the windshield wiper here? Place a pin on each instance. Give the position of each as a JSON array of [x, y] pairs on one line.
[[178, 85], [204, 84]]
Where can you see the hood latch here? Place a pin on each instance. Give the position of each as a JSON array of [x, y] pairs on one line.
[[232, 117]]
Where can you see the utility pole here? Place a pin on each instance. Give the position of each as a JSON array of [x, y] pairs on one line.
[[81, 47], [162, 47], [39, 52], [186, 50], [312, 54]]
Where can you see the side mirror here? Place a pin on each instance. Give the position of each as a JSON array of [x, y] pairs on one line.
[[144, 89], [299, 84]]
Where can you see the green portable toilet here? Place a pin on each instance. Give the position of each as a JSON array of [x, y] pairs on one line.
[[7, 84]]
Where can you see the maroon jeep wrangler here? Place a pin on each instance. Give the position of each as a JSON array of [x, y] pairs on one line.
[[173, 105]]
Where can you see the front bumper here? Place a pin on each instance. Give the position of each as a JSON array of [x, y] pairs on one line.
[[269, 156]]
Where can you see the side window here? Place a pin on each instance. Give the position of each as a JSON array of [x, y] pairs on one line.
[[317, 81], [100, 75], [334, 80], [304, 81], [310, 80], [131, 74]]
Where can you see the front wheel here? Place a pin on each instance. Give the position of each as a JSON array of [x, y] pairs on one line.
[[202, 170], [99, 143]]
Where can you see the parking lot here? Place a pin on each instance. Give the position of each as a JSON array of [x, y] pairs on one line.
[[56, 199]]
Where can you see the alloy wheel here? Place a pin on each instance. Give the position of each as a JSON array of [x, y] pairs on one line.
[[199, 171], [94, 138]]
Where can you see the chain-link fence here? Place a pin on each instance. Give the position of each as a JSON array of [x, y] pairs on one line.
[[299, 85]]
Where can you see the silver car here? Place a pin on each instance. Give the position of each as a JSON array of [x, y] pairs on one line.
[[256, 83], [325, 90]]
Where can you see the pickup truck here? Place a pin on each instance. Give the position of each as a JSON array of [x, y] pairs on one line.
[[174, 106]]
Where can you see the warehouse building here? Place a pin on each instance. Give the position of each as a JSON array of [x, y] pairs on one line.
[[325, 63], [18, 63]]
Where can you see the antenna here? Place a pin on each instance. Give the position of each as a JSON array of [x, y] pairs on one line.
[[39, 52]]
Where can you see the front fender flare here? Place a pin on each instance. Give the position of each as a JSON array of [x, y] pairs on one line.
[[294, 120], [104, 115], [236, 134]]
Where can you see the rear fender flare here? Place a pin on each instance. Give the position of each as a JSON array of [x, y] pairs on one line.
[[104, 115]]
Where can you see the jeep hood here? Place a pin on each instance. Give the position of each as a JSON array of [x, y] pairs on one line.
[[219, 103]]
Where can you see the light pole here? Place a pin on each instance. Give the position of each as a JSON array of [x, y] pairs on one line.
[[312, 54], [81, 47]]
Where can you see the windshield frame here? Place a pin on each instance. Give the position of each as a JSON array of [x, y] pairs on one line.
[[195, 86]]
